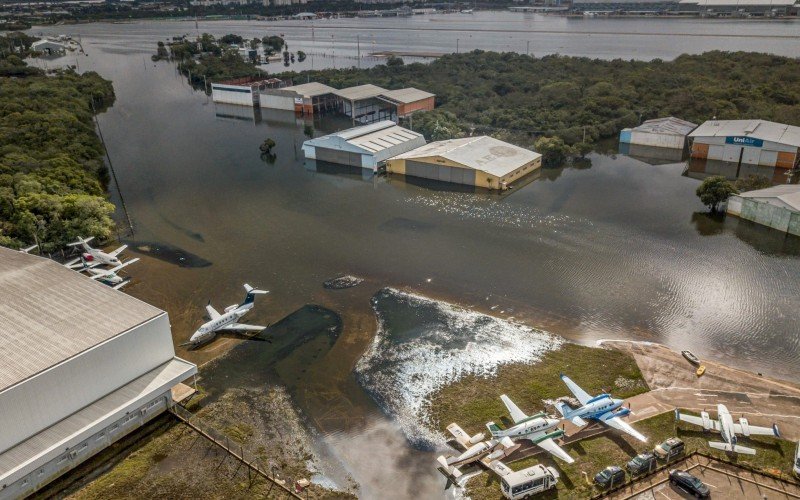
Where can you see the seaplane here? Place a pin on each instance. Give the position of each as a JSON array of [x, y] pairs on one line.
[[534, 428], [228, 320], [94, 256], [725, 425], [602, 408], [108, 276], [477, 449]]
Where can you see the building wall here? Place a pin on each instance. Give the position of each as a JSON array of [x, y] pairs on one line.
[[73, 456], [769, 154], [657, 140], [479, 178], [232, 94], [277, 101], [52, 395], [421, 105]]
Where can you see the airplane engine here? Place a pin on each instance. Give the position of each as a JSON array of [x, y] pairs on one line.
[[707, 425], [496, 454], [231, 308], [745, 426], [477, 438], [624, 412]]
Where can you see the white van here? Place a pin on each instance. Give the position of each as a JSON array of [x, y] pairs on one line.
[[528, 482]]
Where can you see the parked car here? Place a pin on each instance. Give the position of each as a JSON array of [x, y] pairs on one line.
[[669, 449], [610, 476], [642, 464], [689, 483]]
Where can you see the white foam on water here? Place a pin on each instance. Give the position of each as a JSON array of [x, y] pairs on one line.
[[402, 374]]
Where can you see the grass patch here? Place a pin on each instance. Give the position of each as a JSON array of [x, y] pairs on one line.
[[611, 448], [472, 401]]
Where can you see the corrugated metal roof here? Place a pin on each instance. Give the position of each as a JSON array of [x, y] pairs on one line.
[[52, 441], [311, 89], [381, 139], [360, 92], [407, 95], [49, 313], [483, 153], [787, 193], [669, 126], [759, 129]]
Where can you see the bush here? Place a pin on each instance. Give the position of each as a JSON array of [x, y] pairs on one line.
[[714, 191]]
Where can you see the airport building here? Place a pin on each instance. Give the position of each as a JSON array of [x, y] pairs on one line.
[[752, 142], [741, 7], [366, 146], [81, 365], [308, 99], [49, 47], [667, 132], [243, 91], [777, 207], [474, 161], [600, 7]]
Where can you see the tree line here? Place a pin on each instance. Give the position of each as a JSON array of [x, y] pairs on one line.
[[52, 174]]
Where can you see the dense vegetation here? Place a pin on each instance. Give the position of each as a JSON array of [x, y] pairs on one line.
[[518, 97], [51, 166]]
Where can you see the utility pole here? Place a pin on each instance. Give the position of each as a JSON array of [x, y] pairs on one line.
[[528, 50], [358, 48], [456, 45]]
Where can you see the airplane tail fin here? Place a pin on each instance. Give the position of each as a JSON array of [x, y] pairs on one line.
[[494, 429], [734, 448], [568, 414], [453, 474], [250, 296]]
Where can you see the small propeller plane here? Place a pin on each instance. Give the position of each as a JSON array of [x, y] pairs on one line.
[[725, 426], [108, 276], [94, 256], [228, 320], [477, 449], [533, 428], [600, 408]]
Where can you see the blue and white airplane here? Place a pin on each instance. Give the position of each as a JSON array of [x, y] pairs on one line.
[[599, 408], [228, 320]]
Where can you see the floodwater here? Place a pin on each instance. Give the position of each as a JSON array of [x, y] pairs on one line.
[[614, 248]]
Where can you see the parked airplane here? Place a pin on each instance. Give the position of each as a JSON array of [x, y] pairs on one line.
[[28, 249], [227, 320], [476, 449], [600, 408], [725, 426], [95, 257], [109, 276], [533, 428]]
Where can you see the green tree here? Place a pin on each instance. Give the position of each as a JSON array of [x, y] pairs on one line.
[[554, 151], [751, 183], [715, 190]]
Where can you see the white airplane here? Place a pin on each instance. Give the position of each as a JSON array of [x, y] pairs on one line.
[[533, 428], [600, 408], [28, 250], [227, 320], [476, 449], [725, 426], [95, 257], [109, 276]]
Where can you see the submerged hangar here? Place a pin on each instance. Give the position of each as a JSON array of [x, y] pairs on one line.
[[81, 366]]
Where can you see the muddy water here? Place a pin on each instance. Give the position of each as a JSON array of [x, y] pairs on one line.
[[618, 248]]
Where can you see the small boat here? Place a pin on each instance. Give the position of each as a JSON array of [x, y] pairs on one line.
[[691, 358], [700, 370]]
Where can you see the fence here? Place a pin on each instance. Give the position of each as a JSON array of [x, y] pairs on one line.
[[252, 461]]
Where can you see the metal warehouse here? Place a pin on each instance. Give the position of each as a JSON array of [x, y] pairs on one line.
[[369, 103], [81, 365], [777, 207], [365, 146], [752, 142], [308, 99], [739, 7], [475, 161], [667, 132], [244, 91]]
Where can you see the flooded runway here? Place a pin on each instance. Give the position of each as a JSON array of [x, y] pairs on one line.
[[616, 249]]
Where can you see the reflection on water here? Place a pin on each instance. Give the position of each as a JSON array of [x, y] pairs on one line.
[[170, 253], [651, 154]]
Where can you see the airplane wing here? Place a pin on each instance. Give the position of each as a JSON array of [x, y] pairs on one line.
[[241, 327], [212, 313], [691, 419], [579, 393], [120, 285], [756, 430], [499, 468], [458, 433], [551, 447], [118, 251], [517, 415], [614, 421]]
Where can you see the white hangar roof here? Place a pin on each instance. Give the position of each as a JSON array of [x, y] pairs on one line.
[[759, 129], [669, 126], [376, 139], [483, 153], [49, 313]]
